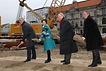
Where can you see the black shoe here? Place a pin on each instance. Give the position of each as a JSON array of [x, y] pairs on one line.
[[47, 61], [33, 58], [92, 65], [62, 61], [99, 62], [27, 60], [65, 63]]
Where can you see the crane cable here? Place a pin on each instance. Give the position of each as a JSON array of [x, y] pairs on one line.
[[45, 3]]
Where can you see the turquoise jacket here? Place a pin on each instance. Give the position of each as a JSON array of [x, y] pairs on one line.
[[47, 37]]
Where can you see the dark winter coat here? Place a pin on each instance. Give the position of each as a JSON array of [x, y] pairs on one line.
[[92, 34], [28, 32], [67, 45]]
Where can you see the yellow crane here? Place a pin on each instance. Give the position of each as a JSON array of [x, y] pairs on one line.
[[51, 17]]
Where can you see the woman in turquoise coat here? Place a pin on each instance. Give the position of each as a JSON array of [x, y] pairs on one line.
[[49, 43]]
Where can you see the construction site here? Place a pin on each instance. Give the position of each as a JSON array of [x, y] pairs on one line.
[[12, 54]]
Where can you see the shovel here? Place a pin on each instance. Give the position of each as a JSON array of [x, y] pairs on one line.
[[15, 47], [18, 45]]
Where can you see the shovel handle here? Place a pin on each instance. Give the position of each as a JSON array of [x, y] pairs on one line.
[[18, 45]]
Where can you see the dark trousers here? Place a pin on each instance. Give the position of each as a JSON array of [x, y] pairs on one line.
[[31, 52], [96, 56], [67, 58], [48, 55]]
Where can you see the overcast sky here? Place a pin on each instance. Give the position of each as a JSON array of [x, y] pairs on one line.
[[9, 8]]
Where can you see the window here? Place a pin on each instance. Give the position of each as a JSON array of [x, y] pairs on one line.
[[81, 23], [81, 31], [73, 25], [80, 15], [95, 13], [33, 21], [104, 30], [72, 16], [104, 11], [76, 26], [104, 20], [103, 0], [96, 20]]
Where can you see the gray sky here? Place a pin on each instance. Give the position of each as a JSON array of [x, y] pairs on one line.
[[9, 8]]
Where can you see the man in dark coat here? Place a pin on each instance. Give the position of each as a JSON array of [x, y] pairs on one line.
[[67, 45], [29, 34], [93, 38]]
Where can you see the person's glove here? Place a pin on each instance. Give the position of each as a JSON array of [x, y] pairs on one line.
[[58, 36], [39, 39], [83, 38], [21, 42], [35, 39]]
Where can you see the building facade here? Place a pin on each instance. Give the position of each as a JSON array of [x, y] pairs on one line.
[[31, 18], [73, 12], [97, 12]]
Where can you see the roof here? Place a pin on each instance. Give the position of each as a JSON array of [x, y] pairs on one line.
[[3, 25], [78, 5]]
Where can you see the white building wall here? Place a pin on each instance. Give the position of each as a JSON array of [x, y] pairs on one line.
[[31, 18], [6, 29]]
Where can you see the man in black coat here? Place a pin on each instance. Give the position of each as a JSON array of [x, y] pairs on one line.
[[93, 38], [29, 34], [67, 45]]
